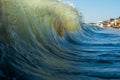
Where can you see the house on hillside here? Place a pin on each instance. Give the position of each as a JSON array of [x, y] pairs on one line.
[[114, 23]]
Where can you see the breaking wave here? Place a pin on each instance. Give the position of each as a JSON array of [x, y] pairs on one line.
[[47, 40]]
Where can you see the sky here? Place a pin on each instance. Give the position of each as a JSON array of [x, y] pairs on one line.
[[97, 10]]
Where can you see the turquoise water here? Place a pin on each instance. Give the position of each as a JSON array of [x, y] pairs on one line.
[[31, 51]]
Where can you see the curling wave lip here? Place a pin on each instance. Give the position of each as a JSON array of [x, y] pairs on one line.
[[46, 40]]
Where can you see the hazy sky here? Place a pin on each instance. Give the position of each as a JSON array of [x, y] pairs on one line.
[[97, 10]]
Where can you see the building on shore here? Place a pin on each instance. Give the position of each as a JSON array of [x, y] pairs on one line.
[[114, 23]]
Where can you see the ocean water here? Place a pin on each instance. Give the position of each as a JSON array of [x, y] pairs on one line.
[[48, 43]]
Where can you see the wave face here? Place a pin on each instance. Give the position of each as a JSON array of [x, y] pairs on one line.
[[41, 41]]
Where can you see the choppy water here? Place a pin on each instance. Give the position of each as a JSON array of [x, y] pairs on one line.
[[31, 50]]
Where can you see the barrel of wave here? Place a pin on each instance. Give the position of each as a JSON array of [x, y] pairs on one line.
[[62, 17]]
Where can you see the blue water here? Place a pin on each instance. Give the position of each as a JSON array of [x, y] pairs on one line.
[[90, 53], [31, 51]]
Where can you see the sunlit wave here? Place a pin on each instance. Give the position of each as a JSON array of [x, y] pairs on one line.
[[47, 40]]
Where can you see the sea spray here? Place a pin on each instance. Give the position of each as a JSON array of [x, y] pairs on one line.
[[46, 40]]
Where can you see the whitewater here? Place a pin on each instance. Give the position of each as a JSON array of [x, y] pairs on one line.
[[47, 40]]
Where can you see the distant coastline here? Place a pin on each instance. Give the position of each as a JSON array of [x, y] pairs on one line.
[[111, 23]]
